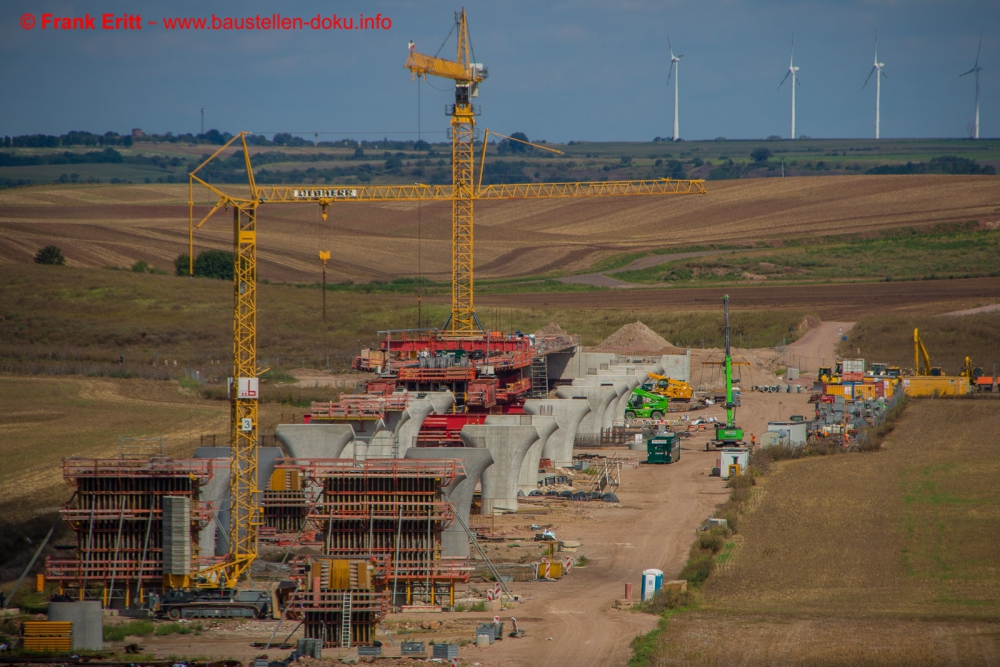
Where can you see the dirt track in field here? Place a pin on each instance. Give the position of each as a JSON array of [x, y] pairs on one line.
[[117, 225]]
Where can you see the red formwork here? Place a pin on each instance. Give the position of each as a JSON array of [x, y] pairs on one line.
[[359, 407], [116, 512]]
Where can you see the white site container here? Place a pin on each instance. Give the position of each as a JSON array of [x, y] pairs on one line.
[[733, 456], [794, 432]]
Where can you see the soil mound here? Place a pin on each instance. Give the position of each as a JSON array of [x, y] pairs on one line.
[[549, 330], [636, 336]]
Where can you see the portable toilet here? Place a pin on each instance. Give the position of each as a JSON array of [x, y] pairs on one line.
[[663, 448], [652, 581], [733, 461]]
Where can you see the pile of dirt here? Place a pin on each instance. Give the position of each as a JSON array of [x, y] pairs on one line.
[[636, 336], [551, 329]]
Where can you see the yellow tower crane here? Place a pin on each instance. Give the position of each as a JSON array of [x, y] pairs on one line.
[[245, 519]]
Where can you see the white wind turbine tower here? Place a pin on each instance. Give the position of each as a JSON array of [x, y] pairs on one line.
[[792, 72], [675, 63], [976, 70], [877, 67]]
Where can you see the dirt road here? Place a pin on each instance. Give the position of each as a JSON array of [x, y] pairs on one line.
[[602, 280], [653, 528], [816, 348]]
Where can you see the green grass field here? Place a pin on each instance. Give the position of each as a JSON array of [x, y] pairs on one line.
[[65, 320], [883, 558], [955, 251]]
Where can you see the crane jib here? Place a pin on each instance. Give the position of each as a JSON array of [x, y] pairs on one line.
[[325, 194]]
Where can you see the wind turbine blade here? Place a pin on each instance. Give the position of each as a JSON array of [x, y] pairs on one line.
[[787, 74], [671, 47], [884, 75], [670, 71], [680, 56], [969, 72], [978, 50], [869, 77]]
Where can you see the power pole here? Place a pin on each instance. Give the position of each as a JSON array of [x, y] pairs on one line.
[[203, 120], [324, 256]]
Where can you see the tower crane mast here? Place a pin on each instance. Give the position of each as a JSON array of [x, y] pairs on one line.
[[467, 77]]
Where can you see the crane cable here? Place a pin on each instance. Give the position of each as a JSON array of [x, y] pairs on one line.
[[419, 227]]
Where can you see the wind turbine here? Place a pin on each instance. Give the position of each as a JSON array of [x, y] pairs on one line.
[[792, 69], [675, 63], [976, 69], [877, 67]]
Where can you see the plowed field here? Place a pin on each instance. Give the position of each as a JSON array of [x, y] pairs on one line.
[[98, 225]]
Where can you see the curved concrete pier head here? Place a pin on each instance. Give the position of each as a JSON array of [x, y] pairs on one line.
[[508, 444], [454, 540], [569, 413]]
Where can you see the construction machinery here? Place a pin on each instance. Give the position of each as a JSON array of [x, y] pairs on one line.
[[728, 434], [676, 390], [644, 404], [511, 376], [920, 351]]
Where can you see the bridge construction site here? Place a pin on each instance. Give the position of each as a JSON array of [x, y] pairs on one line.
[[441, 486], [369, 500]]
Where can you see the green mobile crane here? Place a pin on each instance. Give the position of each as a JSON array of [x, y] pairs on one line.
[[728, 435]]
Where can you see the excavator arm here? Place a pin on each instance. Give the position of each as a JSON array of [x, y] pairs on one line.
[[918, 350]]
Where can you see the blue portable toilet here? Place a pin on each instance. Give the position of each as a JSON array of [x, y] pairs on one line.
[[652, 581]]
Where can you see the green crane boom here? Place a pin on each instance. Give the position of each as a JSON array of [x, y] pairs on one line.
[[730, 434]]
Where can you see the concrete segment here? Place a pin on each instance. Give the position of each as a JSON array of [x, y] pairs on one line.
[[568, 415], [527, 478], [599, 396], [508, 444], [454, 541], [215, 535], [318, 441]]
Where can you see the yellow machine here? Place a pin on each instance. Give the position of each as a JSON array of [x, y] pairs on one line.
[[827, 375], [676, 390], [245, 517], [918, 351]]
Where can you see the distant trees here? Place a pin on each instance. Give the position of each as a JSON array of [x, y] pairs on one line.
[[50, 254], [208, 264], [946, 164], [507, 146], [760, 154]]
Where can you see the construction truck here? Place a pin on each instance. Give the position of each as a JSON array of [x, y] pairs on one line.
[[646, 405], [676, 390]]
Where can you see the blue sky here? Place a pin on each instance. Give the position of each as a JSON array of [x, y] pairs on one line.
[[560, 71]]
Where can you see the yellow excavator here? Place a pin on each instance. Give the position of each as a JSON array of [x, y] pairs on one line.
[[918, 351], [676, 390]]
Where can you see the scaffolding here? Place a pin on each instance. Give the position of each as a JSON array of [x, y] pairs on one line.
[[379, 522], [117, 513]]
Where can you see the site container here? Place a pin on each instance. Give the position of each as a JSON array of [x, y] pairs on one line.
[[941, 385], [864, 392], [733, 460], [845, 391], [854, 366], [652, 581], [793, 432]]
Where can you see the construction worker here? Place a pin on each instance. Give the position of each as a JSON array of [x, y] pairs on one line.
[[753, 440]]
